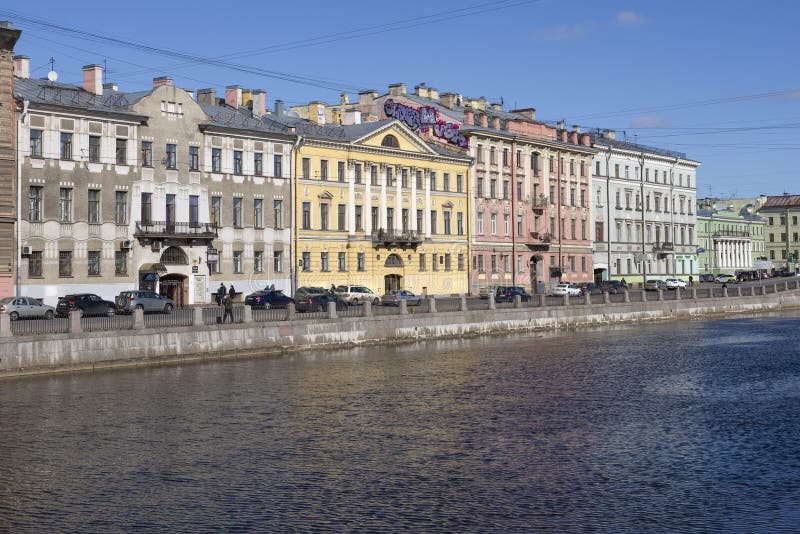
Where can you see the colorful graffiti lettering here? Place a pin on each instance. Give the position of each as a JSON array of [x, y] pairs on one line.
[[423, 117]]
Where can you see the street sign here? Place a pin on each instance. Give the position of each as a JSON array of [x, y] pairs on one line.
[[212, 255], [195, 269]]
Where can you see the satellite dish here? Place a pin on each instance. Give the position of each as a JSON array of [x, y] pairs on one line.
[[52, 75]]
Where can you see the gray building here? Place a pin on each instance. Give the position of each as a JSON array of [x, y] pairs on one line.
[[150, 189]]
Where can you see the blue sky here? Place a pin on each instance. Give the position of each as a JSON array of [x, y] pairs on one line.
[[717, 80]]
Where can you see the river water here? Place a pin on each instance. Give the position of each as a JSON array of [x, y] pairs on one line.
[[668, 427]]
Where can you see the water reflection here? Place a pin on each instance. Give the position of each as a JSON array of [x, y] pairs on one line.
[[640, 427]]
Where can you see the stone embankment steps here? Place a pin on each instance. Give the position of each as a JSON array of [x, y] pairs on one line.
[[146, 346]]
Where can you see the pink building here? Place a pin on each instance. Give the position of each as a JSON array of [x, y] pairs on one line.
[[530, 218]]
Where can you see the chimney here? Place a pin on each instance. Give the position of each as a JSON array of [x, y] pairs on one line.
[[469, 116], [316, 113], [397, 89], [259, 102], [93, 79], [610, 134], [433, 93], [233, 96], [496, 122], [22, 66], [450, 100], [161, 80], [111, 86], [484, 120], [344, 99], [528, 113], [247, 99], [207, 97], [496, 107], [421, 91], [573, 135], [586, 139], [563, 135], [351, 116], [280, 108], [367, 98]]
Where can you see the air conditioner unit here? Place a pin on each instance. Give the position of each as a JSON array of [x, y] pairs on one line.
[[126, 245], [26, 250], [155, 246]]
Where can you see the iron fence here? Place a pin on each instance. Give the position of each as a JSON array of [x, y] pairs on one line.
[[269, 315], [448, 305], [103, 323], [179, 317], [29, 327]]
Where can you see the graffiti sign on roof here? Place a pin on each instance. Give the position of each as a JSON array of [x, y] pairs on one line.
[[426, 120]]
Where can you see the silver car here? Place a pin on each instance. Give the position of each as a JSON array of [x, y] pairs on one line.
[[26, 307], [393, 298], [147, 301]]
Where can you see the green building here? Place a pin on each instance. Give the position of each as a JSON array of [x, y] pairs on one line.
[[729, 241], [781, 214]]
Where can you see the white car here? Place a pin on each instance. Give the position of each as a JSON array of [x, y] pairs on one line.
[[567, 289], [725, 278], [675, 283], [356, 295]]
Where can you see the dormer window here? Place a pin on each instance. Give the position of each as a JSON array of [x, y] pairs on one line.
[[390, 141]]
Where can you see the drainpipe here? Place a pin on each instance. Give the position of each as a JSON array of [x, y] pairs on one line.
[[293, 270], [514, 164], [18, 236]]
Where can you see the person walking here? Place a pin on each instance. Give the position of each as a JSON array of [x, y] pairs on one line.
[[691, 280], [220, 294], [228, 308], [232, 292]]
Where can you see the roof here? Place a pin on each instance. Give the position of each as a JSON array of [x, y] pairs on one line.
[[225, 116], [782, 201], [598, 139], [42, 91], [725, 214]]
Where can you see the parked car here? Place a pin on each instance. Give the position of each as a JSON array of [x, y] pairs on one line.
[[784, 273], [305, 292], [393, 298], [706, 277], [591, 288], [147, 301], [567, 289], [315, 302], [725, 278], [268, 298], [613, 286], [488, 290], [507, 294], [353, 295], [86, 304], [675, 283], [654, 285], [26, 307]]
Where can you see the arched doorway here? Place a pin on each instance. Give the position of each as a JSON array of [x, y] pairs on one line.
[[174, 286], [392, 282], [535, 264]]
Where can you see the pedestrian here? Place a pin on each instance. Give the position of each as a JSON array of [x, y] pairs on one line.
[[220, 294], [228, 308], [691, 280], [232, 292], [724, 285], [333, 289], [624, 284]]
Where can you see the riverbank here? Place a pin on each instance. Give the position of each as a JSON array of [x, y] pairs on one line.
[[21, 356]]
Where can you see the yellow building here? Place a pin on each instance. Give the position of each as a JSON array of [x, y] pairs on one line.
[[376, 205]]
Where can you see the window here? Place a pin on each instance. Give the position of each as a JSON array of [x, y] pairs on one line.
[[357, 169], [572, 167], [433, 181], [237, 261], [460, 262], [446, 217], [258, 213], [216, 160], [194, 210], [535, 163], [390, 179], [447, 262], [420, 222], [519, 225], [506, 191], [494, 263], [258, 261], [277, 210], [446, 181], [237, 162], [479, 153], [194, 158], [258, 164], [35, 203], [342, 261], [277, 166], [374, 218], [94, 206], [65, 204], [433, 222], [422, 261], [237, 212], [65, 263], [94, 148], [493, 188], [493, 228], [36, 143], [506, 225], [519, 190], [341, 217], [359, 219], [342, 176], [435, 262], [277, 261], [404, 219], [481, 268], [479, 187], [93, 262], [373, 175], [390, 141], [122, 151], [460, 223], [480, 223], [404, 178], [573, 226], [170, 209], [323, 169], [306, 217], [419, 180], [459, 183], [306, 261], [66, 145], [172, 156], [519, 159], [323, 215], [121, 207], [35, 264], [323, 257], [216, 211], [492, 155], [361, 263]]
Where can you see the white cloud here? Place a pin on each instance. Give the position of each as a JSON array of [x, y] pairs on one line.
[[629, 18], [563, 32], [649, 121]]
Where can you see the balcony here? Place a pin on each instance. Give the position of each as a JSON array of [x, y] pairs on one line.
[[538, 203], [180, 230], [730, 233], [664, 247], [392, 238], [538, 241]]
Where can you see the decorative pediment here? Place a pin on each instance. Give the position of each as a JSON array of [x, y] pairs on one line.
[[395, 136], [447, 205], [327, 195]]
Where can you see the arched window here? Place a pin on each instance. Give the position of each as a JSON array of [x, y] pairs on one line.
[[393, 260], [174, 256], [390, 141]]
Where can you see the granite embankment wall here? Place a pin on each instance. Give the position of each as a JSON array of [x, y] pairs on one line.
[[86, 351]]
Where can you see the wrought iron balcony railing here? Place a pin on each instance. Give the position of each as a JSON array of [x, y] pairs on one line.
[[175, 229], [393, 237], [731, 233]]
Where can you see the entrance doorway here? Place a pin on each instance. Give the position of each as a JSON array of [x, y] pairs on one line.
[[175, 287], [392, 282]]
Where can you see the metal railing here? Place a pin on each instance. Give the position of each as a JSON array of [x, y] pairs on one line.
[[169, 228]]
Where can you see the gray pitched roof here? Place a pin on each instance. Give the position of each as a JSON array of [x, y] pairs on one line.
[[635, 147], [39, 91], [228, 117]]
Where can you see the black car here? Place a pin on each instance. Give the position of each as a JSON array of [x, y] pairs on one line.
[[306, 292], [268, 298], [86, 304], [317, 302], [613, 286], [507, 293], [591, 288], [707, 277]]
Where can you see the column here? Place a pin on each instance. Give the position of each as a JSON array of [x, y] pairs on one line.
[[367, 213], [426, 215], [351, 200], [412, 201], [382, 210], [719, 254], [398, 199]]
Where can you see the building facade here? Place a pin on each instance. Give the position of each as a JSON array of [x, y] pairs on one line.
[[782, 230], [150, 190], [9, 249], [644, 211], [378, 206], [729, 241]]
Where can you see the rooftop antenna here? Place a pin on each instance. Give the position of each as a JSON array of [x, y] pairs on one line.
[[52, 75]]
